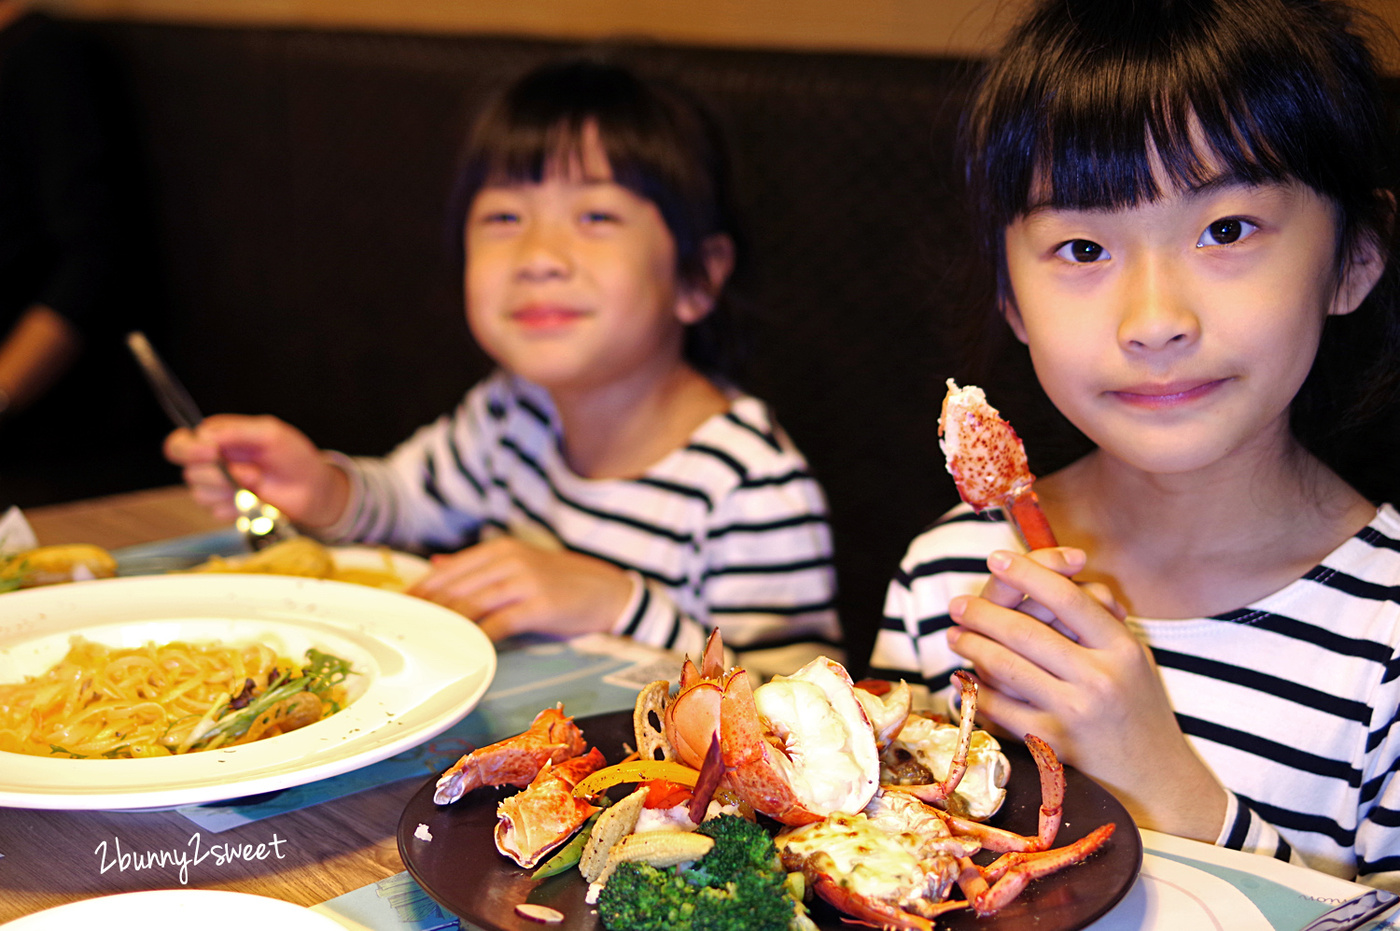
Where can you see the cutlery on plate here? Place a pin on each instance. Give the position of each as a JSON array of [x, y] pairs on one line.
[[1353, 913], [260, 523]]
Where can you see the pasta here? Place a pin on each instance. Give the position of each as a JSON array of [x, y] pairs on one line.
[[157, 700], [303, 556]]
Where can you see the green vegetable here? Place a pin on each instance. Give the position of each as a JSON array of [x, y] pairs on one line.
[[321, 673], [738, 886]]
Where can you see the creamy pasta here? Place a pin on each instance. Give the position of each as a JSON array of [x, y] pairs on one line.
[[160, 699]]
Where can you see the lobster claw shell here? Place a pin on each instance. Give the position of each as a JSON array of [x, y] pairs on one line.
[[551, 738], [541, 817]]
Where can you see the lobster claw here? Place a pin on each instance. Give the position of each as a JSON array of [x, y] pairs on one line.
[[532, 823], [552, 738]]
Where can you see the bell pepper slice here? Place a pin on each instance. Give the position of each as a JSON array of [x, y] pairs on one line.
[[663, 793], [635, 771]]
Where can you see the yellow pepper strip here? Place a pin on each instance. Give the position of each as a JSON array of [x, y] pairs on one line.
[[635, 771]]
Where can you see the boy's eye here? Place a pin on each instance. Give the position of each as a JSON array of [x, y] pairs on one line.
[[599, 216], [1225, 231], [1082, 250], [494, 217]]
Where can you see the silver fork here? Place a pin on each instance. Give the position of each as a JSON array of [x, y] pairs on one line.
[[260, 524], [1353, 913]]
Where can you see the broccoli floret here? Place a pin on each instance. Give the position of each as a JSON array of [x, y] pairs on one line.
[[741, 848], [737, 886], [639, 897]]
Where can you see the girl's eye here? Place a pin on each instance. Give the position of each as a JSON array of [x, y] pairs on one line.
[[1082, 250], [499, 217], [592, 217], [1225, 231]]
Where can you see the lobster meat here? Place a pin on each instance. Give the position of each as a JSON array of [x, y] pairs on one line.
[[988, 463]]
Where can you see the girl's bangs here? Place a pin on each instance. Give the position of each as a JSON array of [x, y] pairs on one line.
[[1077, 126], [1087, 156]]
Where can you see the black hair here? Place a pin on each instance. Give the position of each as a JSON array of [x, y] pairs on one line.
[[661, 144], [1085, 92]]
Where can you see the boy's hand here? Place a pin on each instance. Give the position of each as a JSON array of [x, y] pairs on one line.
[[1087, 687], [271, 458], [510, 587]]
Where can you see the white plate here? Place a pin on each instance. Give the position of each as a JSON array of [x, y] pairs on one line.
[[406, 566], [425, 668], [176, 910]]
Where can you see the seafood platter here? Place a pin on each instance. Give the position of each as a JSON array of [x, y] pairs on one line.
[[877, 815]]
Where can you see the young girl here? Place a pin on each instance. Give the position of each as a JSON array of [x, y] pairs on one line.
[[1184, 202], [613, 480]]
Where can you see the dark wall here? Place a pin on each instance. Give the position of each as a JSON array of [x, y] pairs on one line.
[[298, 180]]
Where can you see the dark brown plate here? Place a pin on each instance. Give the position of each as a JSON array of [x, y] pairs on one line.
[[461, 869]]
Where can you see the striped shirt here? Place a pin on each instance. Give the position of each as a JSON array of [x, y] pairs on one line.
[[1294, 701], [729, 530]]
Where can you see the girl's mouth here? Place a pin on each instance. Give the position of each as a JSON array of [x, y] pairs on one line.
[[1168, 394]]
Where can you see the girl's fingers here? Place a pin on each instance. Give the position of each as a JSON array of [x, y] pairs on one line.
[[1016, 651], [1081, 610], [1104, 596], [1004, 709], [1062, 560]]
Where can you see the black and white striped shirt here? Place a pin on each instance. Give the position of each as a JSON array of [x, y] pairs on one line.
[[1293, 701], [729, 530]]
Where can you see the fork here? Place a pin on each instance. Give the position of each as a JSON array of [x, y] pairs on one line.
[[1353, 913], [259, 523]]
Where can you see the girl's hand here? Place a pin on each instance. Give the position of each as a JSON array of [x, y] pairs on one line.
[[269, 457], [1092, 692], [510, 587], [1067, 561]]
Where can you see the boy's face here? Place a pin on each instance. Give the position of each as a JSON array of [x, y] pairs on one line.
[[571, 283], [1177, 332]]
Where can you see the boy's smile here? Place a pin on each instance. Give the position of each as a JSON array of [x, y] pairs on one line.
[[1179, 330], [543, 318]]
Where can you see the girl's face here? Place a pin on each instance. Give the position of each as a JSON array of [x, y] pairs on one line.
[[1176, 332], [571, 282]]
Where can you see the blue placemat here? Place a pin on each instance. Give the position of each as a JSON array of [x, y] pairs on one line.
[[393, 904]]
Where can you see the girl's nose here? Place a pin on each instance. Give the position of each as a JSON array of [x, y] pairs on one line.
[[543, 252], [1157, 313]]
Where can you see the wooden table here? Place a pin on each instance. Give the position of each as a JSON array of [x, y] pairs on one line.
[[123, 520], [54, 857]]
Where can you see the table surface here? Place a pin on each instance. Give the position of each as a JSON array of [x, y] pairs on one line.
[[123, 520]]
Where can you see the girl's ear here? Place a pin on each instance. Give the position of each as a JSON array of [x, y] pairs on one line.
[[1009, 310], [698, 298], [1363, 269]]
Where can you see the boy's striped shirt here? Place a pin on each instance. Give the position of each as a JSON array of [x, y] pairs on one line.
[[729, 530]]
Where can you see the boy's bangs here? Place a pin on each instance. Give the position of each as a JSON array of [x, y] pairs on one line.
[[538, 137], [526, 152]]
